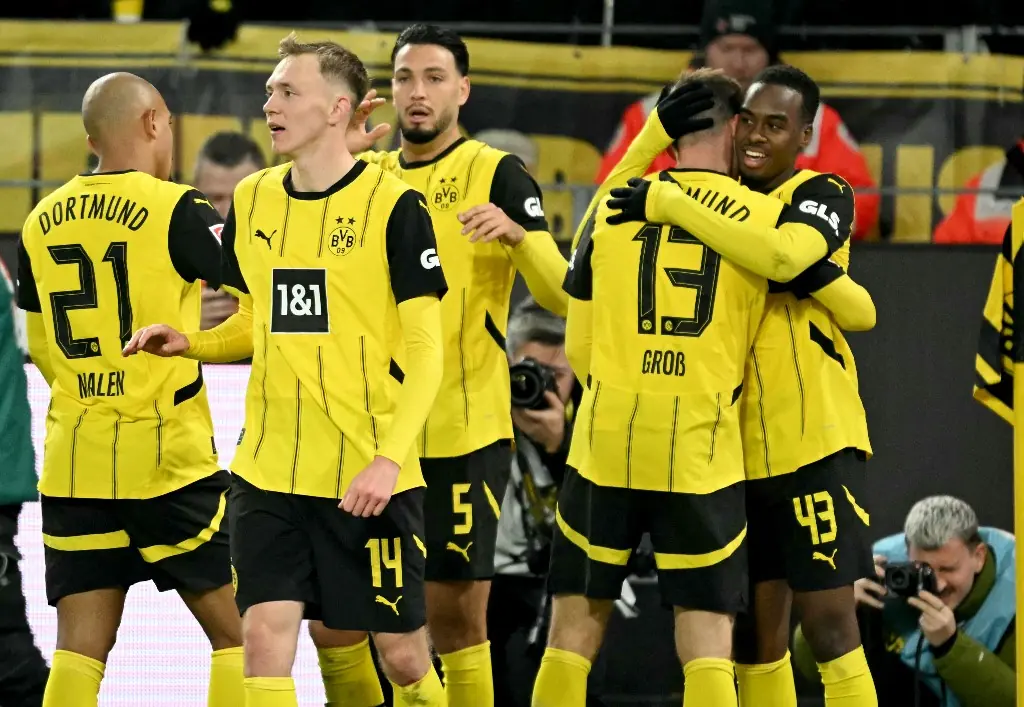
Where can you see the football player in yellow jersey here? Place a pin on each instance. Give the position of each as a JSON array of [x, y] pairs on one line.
[[804, 428], [131, 489], [336, 263], [661, 327], [489, 220]]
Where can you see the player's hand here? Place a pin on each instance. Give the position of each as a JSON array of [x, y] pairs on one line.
[[217, 306], [157, 339], [676, 109], [486, 222], [370, 491], [937, 621], [869, 593], [357, 138], [545, 427], [630, 202]]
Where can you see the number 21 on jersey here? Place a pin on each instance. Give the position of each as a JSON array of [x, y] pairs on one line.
[[703, 279]]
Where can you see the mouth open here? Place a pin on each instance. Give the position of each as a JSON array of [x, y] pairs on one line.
[[418, 114], [275, 129], [754, 157]]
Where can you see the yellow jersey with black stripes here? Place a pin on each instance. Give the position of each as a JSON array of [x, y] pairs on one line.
[[99, 258], [473, 407], [326, 271], [673, 323], [802, 400], [999, 347]]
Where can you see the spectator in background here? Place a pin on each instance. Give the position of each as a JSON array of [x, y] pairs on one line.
[[959, 640], [23, 672], [516, 615], [224, 160], [984, 218], [514, 142], [738, 36]]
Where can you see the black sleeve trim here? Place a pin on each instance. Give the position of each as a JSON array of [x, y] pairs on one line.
[[579, 278], [194, 237], [27, 296], [230, 272], [826, 204], [412, 250], [516, 193]]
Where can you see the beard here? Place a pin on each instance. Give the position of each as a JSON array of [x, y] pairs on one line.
[[421, 136]]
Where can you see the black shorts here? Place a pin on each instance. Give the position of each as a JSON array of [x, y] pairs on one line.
[[463, 501], [178, 540], [699, 543], [358, 574], [810, 527]]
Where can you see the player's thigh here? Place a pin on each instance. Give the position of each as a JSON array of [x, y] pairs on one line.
[[767, 557], [462, 504], [183, 535], [700, 548], [598, 529], [271, 553], [824, 524], [370, 571], [87, 548]]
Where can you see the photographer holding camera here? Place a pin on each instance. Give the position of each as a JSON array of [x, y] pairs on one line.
[[544, 396], [938, 625]]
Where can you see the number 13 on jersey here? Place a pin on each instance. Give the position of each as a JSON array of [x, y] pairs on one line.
[[703, 279]]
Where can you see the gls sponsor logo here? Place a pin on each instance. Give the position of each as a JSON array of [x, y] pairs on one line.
[[428, 259], [533, 207], [822, 212]]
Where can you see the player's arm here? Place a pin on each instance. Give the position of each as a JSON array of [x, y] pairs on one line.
[[849, 302], [195, 238], [27, 299], [533, 250], [993, 366], [815, 225], [418, 284], [579, 323]]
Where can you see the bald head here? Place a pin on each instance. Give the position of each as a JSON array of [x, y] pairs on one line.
[[114, 102]]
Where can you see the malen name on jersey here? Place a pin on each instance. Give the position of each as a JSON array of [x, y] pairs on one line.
[[101, 385], [106, 207]]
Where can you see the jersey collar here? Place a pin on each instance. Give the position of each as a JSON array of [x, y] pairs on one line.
[[349, 177], [425, 163]]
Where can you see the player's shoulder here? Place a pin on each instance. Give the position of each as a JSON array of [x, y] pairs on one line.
[[275, 175], [486, 156], [808, 183]]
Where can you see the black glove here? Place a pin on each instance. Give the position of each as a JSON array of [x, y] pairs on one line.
[[677, 109], [630, 202]]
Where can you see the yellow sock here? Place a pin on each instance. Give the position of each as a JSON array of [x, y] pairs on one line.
[[709, 682], [562, 680], [74, 681], [270, 692], [767, 684], [226, 676], [467, 677], [848, 682], [349, 676], [425, 693]]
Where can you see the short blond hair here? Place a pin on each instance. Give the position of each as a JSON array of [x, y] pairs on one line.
[[727, 95], [336, 62]]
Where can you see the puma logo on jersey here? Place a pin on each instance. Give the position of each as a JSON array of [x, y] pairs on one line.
[[838, 184], [393, 605], [263, 236], [825, 558], [202, 201], [861, 513], [455, 548]]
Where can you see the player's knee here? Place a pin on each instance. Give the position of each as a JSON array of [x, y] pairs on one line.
[[85, 639], [405, 658], [577, 625], [457, 614], [831, 631], [269, 641], [744, 640], [703, 634]]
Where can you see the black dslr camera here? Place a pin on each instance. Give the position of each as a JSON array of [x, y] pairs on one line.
[[907, 579], [530, 379]]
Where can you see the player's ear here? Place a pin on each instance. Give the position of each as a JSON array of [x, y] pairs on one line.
[[463, 90], [149, 123], [806, 135]]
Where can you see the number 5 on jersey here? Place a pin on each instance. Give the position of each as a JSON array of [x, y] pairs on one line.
[[298, 299]]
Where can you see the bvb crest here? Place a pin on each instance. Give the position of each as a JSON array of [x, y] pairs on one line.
[[343, 238]]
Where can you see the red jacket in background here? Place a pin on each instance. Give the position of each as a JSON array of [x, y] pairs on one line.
[[832, 149], [983, 218]]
